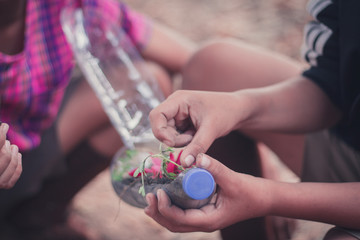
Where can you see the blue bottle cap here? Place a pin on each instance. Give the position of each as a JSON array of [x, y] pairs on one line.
[[198, 183]]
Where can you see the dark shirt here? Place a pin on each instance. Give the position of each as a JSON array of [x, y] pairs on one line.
[[332, 47]]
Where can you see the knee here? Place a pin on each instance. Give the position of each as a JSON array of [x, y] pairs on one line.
[[338, 234], [162, 76], [106, 141], [205, 61]]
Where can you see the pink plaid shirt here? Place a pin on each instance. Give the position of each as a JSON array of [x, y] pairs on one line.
[[32, 83]]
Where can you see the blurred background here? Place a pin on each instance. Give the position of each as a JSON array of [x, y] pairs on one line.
[[275, 24]]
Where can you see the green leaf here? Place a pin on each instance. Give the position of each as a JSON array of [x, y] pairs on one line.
[[171, 175], [137, 172], [170, 149], [142, 191]]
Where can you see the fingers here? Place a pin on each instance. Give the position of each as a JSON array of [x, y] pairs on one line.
[[5, 156], [200, 144], [182, 120], [152, 208], [10, 165], [153, 211], [171, 137], [219, 171], [163, 124], [4, 127], [171, 122], [17, 173], [176, 219]]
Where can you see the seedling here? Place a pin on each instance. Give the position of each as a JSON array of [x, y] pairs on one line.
[[163, 165]]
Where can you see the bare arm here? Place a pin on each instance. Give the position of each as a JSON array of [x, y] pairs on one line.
[[334, 203], [196, 118], [168, 48], [296, 105], [241, 196]]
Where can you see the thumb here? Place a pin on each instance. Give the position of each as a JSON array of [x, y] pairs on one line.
[[199, 144], [218, 170]]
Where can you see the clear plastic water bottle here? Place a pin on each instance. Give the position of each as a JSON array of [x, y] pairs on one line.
[[128, 92], [115, 70]]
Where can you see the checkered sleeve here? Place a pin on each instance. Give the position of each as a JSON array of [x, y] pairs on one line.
[[136, 25]]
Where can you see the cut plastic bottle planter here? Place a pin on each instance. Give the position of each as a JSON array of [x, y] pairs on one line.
[[128, 92]]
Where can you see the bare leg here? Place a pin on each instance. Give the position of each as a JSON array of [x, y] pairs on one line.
[[82, 118]]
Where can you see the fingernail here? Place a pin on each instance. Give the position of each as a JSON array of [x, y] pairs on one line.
[[189, 160], [147, 198], [20, 158], [4, 128], [204, 162], [158, 193], [7, 145], [14, 149]]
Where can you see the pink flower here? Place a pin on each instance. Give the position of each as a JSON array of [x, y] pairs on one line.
[[172, 167], [156, 167]]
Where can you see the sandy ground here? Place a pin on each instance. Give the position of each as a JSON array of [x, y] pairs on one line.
[[275, 24]]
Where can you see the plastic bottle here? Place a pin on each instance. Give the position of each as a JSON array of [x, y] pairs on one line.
[[115, 70], [128, 92], [192, 188]]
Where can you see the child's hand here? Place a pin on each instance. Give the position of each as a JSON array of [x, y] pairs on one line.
[[10, 160], [239, 197], [194, 119]]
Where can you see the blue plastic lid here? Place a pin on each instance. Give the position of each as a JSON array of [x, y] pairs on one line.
[[198, 183]]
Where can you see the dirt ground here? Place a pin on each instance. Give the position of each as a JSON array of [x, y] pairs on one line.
[[275, 24]]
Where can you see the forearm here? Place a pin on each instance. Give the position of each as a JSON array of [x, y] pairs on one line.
[[334, 203], [168, 48], [296, 105]]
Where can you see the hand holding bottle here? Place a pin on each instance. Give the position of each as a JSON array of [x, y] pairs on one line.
[[239, 196], [10, 160]]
